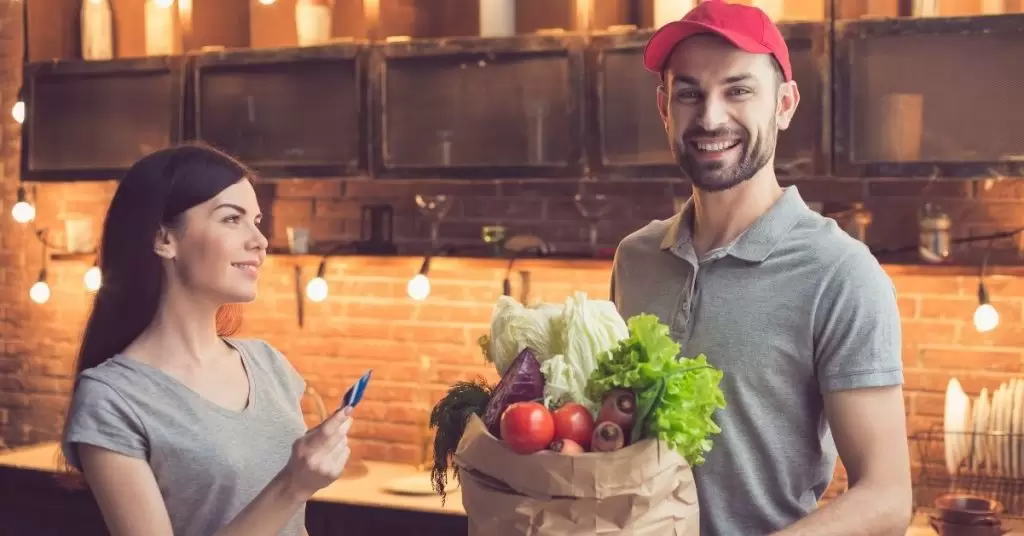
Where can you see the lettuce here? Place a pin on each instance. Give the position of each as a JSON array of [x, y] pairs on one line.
[[567, 340], [515, 327], [682, 393]]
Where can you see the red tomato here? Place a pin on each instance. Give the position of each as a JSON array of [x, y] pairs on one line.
[[527, 427], [574, 421]]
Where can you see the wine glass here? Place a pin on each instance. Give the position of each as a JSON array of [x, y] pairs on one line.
[[593, 207], [434, 207]]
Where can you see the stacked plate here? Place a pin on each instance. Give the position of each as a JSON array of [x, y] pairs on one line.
[[983, 434]]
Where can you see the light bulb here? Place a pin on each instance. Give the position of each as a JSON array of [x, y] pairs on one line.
[[18, 112], [316, 289], [163, 3], [93, 279], [419, 287], [267, 2], [40, 292], [23, 212], [986, 317]]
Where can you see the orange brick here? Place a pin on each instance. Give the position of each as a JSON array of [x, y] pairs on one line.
[[975, 359], [936, 380], [930, 332], [1005, 335], [962, 308], [926, 285]]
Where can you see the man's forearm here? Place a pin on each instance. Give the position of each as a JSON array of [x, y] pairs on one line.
[[863, 510], [268, 513]]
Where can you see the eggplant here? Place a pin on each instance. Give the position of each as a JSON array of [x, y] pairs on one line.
[[522, 382]]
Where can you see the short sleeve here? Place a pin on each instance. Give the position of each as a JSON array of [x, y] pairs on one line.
[[294, 381], [857, 330], [101, 417]]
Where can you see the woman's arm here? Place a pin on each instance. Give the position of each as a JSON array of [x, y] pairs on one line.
[[131, 503], [126, 491]]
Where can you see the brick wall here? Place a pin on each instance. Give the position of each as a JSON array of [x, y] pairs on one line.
[[368, 322]]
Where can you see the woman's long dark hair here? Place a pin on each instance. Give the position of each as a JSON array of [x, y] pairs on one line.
[[155, 192]]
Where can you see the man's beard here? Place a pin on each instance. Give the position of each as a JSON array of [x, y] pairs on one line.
[[717, 176]]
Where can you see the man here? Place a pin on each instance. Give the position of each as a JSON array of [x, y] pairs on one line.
[[798, 315]]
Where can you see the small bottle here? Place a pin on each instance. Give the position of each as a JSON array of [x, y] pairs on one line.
[[97, 30], [160, 19], [313, 21]]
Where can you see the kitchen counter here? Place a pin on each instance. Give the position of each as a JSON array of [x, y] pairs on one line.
[[367, 490]]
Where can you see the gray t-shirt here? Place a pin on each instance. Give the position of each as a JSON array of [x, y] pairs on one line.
[[792, 310], [209, 461]]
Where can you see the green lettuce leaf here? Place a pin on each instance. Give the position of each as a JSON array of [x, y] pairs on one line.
[[682, 393]]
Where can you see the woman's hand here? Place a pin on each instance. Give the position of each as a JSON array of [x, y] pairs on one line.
[[319, 457]]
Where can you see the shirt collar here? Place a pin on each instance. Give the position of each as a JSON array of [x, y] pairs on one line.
[[758, 241]]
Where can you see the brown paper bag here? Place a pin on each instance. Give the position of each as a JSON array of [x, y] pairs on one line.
[[640, 490]]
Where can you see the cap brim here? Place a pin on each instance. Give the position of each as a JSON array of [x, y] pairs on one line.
[[665, 40]]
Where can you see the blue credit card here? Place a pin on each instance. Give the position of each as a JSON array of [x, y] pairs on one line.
[[356, 392]]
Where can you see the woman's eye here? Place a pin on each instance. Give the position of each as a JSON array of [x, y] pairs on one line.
[[232, 219]]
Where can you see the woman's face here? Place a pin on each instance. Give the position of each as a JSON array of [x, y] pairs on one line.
[[218, 247]]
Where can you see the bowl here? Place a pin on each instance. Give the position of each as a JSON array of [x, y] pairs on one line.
[[945, 528], [966, 509]]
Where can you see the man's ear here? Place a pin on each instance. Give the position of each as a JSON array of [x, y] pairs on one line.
[[663, 105], [164, 244], [789, 99]]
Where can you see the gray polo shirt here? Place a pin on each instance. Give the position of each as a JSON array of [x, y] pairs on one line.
[[792, 309]]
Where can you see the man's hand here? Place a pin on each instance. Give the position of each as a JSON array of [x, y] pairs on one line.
[[870, 432]]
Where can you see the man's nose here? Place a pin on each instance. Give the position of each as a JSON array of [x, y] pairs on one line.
[[713, 114]]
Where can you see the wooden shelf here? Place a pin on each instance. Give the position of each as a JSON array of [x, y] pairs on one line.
[[54, 31]]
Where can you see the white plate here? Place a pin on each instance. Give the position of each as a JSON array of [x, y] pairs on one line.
[[1017, 426], [1004, 427], [979, 447], [418, 484], [957, 406], [995, 423]]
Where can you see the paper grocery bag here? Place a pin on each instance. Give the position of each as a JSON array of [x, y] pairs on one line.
[[640, 490]]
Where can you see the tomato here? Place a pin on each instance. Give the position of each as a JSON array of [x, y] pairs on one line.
[[527, 427], [574, 421]]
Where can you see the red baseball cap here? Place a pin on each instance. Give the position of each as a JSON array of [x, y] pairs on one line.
[[746, 27]]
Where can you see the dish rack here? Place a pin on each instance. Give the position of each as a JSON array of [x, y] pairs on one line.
[[978, 473]]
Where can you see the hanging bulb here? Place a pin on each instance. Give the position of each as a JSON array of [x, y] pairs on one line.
[[163, 3], [267, 2], [23, 211], [93, 278], [419, 287], [986, 317], [316, 289], [40, 291], [18, 112]]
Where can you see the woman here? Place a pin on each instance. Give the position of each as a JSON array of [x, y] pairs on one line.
[[177, 428]]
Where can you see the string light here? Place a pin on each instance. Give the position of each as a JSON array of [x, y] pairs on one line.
[[986, 317], [18, 112], [40, 291], [93, 278], [419, 286], [316, 289], [23, 211]]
